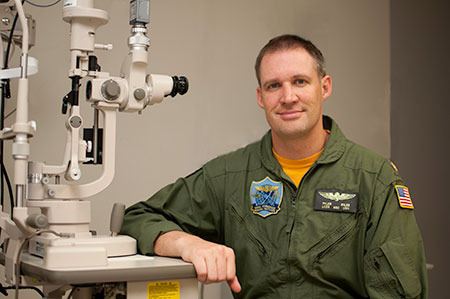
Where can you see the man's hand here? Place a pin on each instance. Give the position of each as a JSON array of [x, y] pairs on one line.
[[212, 262]]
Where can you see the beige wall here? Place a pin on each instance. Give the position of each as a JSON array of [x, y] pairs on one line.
[[214, 43]]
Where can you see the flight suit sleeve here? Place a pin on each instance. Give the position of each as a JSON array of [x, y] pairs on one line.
[[394, 260], [190, 204]]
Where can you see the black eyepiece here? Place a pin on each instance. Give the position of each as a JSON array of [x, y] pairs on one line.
[[180, 85]]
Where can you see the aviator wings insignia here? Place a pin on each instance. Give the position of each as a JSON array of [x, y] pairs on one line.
[[337, 196]]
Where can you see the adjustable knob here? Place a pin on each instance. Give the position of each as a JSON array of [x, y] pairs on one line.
[[110, 90], [37, 221]]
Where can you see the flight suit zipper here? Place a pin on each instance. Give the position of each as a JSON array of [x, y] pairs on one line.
[[291, 221], [289, 228]]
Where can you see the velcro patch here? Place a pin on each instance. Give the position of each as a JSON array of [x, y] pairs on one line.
[[266, 196], [336, 201], [404, 197]]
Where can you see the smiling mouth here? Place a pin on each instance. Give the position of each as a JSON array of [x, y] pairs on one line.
[[289, 115]]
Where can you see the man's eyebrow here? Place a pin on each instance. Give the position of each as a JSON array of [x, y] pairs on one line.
[[296, 76], [301, 76]]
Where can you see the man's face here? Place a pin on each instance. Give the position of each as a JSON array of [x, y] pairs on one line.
[[292, 93]]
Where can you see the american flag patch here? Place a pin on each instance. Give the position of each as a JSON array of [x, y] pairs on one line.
[[404, 198]]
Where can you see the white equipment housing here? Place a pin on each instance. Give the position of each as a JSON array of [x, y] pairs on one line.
[[59, 238]]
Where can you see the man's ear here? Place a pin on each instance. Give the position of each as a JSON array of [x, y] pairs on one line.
[[327, 86], [259, 97]]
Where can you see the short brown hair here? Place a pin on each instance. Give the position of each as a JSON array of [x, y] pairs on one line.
[[286, 42]]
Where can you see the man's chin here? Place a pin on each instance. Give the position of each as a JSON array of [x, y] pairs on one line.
[[291, 133]]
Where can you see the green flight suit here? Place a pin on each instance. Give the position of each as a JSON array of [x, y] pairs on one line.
[[294, 243]]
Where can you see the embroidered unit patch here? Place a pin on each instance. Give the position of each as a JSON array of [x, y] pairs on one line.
[[404, 198], [266, 197], [336, 201]]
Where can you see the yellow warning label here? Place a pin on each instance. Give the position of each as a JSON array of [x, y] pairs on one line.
[[163, 290]]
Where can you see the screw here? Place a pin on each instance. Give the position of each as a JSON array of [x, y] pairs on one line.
[[139, 94], [51, 193], [5, 21]]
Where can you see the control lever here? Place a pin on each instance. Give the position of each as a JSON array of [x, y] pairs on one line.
[[117, 214]]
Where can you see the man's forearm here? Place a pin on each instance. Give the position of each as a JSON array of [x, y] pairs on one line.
[[173, 242]]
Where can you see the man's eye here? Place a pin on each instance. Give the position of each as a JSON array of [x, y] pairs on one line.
[[299, 82], [273, 86]]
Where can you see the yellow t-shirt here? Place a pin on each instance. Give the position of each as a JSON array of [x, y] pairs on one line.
[[296, 169]]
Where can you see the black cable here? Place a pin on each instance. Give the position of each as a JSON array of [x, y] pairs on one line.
[[2, 124], [3, 172], [27, 288], [10, 190], [43, 5], [10, 38]]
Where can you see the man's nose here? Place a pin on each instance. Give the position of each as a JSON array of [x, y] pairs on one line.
[[288, 94]]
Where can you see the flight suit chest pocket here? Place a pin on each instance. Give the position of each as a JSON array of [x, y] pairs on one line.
[[252, 251], [332, 251], [335, 240], [243, 237], [326, 241], [325, 219]]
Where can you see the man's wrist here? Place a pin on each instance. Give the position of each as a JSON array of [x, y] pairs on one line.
[[172, 243]]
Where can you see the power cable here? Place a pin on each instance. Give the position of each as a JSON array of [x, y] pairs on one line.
[[10, 189], [37, 290]]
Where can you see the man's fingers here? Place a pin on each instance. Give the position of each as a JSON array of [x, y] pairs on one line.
[[211, 266], [222, 265], [201, 269], [232, 279], [234, 284], [230, 264], [212, 262]]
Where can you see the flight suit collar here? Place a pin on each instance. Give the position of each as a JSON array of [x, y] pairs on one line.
[[334, 148]]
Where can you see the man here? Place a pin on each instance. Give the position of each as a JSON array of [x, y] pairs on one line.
[[303, 213]]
